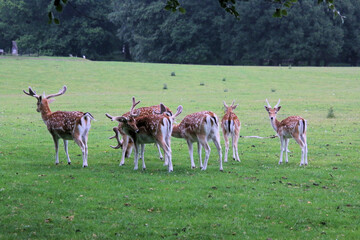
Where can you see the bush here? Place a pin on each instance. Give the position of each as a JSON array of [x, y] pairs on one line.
[[331, 113]]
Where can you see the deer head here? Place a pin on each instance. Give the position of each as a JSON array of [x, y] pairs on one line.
[[43, 101], [231, 107], [130, 121], [272, 111]]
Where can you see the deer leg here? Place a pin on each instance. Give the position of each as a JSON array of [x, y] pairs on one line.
[[207, 154], [142, 156], [125, 144], [287, 147], [129, 150], [167, 153], [303, 138], [66, 151], [226, 138], [302, 146], [56, 143], [216, 141], [286, 144], [85, 139], [281, 149], [82, 146], [235, 146], [160, 154], [136, 156], [199, 153], [190, 145]]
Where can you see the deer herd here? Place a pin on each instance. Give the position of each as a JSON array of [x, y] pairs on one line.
[[156, 124]]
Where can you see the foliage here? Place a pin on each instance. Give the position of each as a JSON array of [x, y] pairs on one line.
[[144, 31], [205, 35], [253, 199], [86, 30], [281, 10]]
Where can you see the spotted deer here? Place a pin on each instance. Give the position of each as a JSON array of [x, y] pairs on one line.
[[231, 125], [154, 128], [291, 127], [200, 127], [126, 143], [65, 125]]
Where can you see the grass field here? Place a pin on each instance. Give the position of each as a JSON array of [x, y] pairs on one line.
[[253, 199]]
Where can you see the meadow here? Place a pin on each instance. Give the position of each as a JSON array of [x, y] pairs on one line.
[[252, 199]]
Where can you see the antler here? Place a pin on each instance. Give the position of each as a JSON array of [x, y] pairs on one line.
[[179, 110], [268, 104], [116, 136], [61, 92], [31, 93], [225, 105], [233, 103], [109, 116], [277, 104], [132, 108]]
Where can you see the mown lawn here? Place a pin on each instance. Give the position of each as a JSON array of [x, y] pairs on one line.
[[253, 199]]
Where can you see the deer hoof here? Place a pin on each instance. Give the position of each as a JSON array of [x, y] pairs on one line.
[[69, 163]]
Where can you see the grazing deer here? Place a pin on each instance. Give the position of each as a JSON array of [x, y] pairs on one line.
[[231, 125], [154, 128], [291, 127], [66, 125], [126, 143], [200, 127]]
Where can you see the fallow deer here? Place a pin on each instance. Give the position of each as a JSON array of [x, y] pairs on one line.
[[200, 127], [126, 143], [291, 127], [231, 125], [66, 125], [154, 128]]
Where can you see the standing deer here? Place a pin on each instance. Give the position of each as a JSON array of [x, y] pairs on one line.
[[231, 125], [291, 127], [126, 143], [155, 128], [200, 127], [66, 125]]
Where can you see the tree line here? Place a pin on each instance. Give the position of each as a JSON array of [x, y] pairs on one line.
[[143, 31]]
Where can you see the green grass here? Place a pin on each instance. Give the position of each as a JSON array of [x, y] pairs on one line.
[[253, 199]]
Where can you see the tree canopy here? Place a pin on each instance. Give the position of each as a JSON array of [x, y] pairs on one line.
[[146, 31]]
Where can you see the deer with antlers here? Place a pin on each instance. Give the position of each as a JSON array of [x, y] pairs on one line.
[[155, 128], [65, 125], [231, 125], [200, 127], [291, 127], [126, 143]]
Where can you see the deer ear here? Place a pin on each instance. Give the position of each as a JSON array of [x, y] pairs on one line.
[[233, 107], [121, 119], [278, 108], [51, 100], [266, 108]]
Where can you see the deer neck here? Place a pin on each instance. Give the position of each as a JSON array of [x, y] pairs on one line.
[[176, 132], [275, 124], [45, 111]]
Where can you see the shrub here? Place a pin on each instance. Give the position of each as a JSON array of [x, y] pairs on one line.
[[331, 113]]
